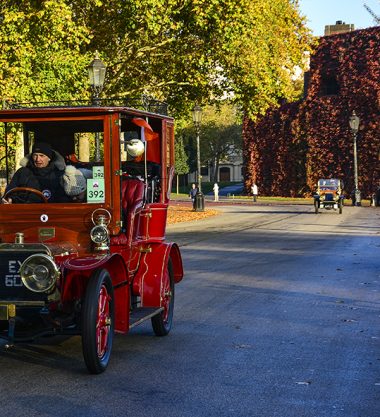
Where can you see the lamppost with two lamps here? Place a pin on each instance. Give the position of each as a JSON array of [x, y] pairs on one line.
[[199, 197], [354, 126]]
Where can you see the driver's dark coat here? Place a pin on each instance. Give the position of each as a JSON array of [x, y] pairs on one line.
[[47, 180]]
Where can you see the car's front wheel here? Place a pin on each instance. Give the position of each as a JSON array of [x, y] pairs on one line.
[[98, 322]]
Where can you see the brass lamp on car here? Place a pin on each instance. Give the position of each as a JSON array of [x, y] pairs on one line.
[[99, 233], [39, 273]]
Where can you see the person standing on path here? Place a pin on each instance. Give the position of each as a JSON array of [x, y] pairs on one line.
[[255, 192], [216, 192], [193, 193]]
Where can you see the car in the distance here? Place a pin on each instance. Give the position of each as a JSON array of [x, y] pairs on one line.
[[329, 195]]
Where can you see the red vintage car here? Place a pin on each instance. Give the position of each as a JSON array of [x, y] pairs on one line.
[[98, 266]]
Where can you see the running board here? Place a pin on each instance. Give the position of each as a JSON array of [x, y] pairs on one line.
[[141, 314]]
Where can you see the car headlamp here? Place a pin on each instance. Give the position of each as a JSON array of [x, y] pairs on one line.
[[99, 233], [39, 273]]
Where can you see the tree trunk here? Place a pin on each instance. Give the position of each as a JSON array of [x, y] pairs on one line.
[[216, 168]]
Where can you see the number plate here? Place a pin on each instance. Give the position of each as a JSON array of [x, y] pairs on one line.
[[11, 285]]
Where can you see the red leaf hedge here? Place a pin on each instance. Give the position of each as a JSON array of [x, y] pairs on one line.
[[288, 149]]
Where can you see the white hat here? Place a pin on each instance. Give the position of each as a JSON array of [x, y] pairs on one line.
[[73, 181]]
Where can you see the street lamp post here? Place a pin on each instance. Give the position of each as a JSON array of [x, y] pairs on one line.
[[199, 197], [97, 75], [354, 126]]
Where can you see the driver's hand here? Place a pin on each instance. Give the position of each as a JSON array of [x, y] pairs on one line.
[[4, 201]]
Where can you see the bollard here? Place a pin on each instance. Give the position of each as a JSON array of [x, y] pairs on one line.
[[199, 201]]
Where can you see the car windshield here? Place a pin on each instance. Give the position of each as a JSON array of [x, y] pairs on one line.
[[78, 143], [328, 184]]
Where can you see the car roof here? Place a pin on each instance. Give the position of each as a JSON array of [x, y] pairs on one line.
[[62, 111]]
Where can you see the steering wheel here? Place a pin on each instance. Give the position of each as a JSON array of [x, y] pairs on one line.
[[23, 194]]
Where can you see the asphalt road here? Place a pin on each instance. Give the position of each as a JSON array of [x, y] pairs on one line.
[[278, 316]]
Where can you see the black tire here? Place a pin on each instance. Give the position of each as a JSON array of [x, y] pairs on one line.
[[162, 322], [98, 322]]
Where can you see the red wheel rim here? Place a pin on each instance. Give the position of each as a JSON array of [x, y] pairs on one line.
[[103, 324], [166, 297]]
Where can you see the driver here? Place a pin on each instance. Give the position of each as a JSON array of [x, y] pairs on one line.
[[41, 170]]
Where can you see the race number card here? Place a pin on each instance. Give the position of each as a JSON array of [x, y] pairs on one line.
[[95, 186], [98, 172]]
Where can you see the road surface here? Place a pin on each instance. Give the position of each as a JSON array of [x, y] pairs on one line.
[[278, 316]]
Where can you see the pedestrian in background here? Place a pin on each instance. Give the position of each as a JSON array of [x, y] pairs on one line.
[[216, 192], [255, 192], [193, 193]]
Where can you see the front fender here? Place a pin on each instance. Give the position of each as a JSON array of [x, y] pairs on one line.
[[77, 271]]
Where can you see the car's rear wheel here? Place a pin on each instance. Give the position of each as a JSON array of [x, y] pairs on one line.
[[98, 322], [162, 322]]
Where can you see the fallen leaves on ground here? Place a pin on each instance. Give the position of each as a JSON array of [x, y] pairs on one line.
[[179, 213]]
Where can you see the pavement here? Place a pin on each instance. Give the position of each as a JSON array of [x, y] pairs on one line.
[[239, 200]]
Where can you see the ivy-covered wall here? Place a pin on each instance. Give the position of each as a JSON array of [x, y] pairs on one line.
[[291, 147]]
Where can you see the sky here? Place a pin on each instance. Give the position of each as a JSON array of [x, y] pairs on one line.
[[326, 12]]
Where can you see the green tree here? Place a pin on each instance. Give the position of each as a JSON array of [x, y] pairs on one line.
[[42, 56], [42, 51], [184, 51], [181, 164], [220, 137], [180, 51]]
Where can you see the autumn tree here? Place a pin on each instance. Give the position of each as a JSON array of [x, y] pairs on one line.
[[198, 50], [42, 55], [178, 51], [42, 51]]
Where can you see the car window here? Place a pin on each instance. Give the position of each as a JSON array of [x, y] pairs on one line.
[[79, 143]]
